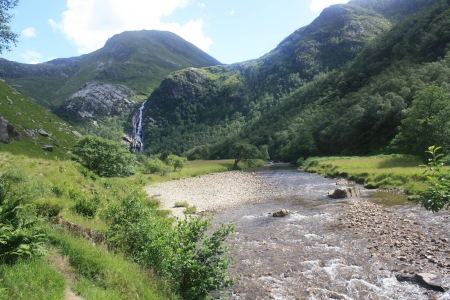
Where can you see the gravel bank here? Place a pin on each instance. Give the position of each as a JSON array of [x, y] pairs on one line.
[[212, 192]]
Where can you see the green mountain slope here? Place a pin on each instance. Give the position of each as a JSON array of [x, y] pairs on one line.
[[192, 107], [357, 109], [34, 127], [136, 59]]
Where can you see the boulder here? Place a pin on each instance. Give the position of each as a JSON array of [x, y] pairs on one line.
[[8, 132], [432, 281], [43, 132], [281, 213], [342, 181], [77, 134], [48, 148], [345, 193]]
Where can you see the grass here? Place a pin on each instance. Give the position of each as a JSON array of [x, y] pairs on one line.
[[31, 279], [181, 204], [190, 210], [383, 171], [106, 275], [58, 185]]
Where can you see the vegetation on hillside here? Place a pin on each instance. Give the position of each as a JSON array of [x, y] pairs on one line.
[[355, 109]]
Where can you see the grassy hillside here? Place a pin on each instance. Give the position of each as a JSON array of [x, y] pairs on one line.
[[73, 261], [24, 114]]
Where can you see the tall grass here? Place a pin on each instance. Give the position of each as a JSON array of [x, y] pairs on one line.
[[31, 279], [106, 275], [382, 171]]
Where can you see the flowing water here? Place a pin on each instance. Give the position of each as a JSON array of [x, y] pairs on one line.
[[309, 254], [137, 135]]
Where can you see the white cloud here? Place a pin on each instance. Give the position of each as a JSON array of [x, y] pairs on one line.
[[89, 23], [318, 5], [231, 12], [31, 57], [202, 5], [29, 32]]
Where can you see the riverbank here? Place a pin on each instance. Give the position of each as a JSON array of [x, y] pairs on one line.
[[212, 192]]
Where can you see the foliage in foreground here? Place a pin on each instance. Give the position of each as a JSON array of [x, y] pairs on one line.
[[104, 275], [437, 196], [19, 234], [31, 279], [104, 157], [193, 261]]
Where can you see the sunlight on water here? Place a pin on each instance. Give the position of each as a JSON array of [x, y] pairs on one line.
[[309, 254]]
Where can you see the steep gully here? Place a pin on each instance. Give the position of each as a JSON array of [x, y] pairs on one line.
[[369, 247]]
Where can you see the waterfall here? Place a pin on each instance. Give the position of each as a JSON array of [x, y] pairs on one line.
[[137, 134]]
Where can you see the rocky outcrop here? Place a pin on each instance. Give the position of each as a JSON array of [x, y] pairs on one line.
[[345, 193], [98, 99], [7, 132], [88, 233], [47, 148], [43, 132]]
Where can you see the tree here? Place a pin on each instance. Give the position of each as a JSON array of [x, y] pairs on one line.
[[176, 162], [426, 122], [103, 157], [243, 151], [6, 35]]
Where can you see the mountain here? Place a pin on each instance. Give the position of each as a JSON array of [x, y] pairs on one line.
[[203, 106], [29, 129], [136, 59]]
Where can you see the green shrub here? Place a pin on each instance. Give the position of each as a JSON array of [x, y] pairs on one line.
[[87, 207], [48, 208], [190, 210], [437, 196], [19, 234], [181, 204], [192, 261], [176, 162], [155, 165], [300, 161], [103, 157]]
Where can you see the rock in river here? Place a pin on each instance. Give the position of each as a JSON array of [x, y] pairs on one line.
[[345, 192]]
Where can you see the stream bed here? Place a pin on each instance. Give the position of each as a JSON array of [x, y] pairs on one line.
[[368, 247]]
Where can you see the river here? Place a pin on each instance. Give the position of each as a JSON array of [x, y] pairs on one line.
[[334, 249]]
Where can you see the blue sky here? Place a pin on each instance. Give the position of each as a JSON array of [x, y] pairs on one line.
[[230, 31]]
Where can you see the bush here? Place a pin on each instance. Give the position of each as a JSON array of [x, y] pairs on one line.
[[153, 166], [103, 157], [190, 210], [48, 208], [176, 162], [19, 234], [437, 196], [192, 261], [87, 207], [181, 204]]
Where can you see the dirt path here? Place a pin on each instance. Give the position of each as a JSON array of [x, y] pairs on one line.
[[63, 266]]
